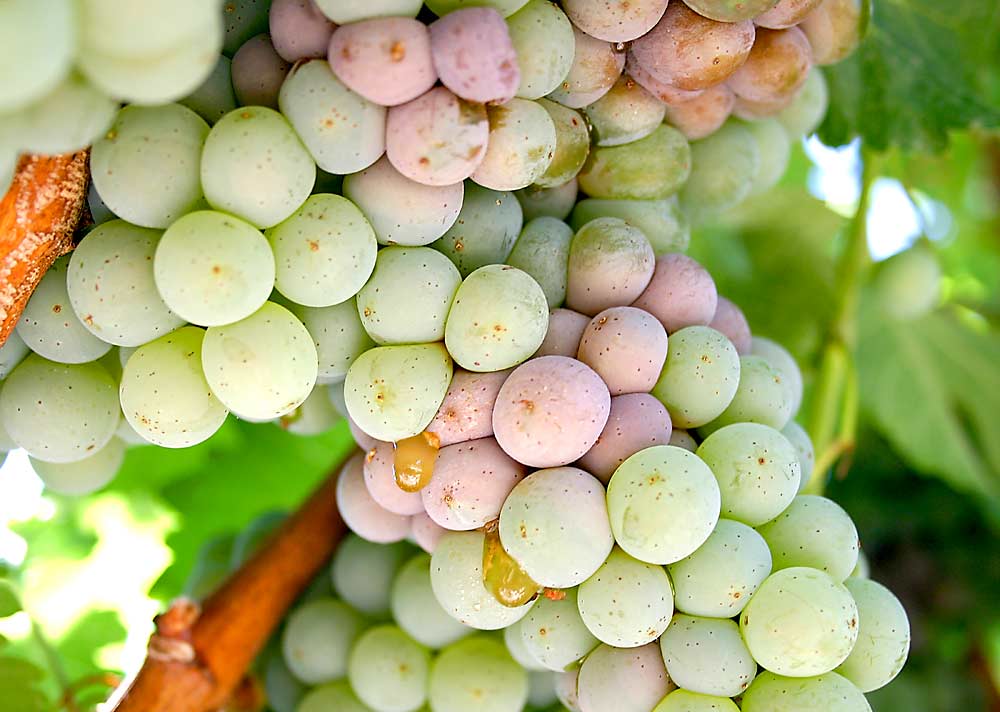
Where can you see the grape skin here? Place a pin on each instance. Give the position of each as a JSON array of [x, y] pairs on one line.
[[610, 264], [331, 696], [362, 573], [317, 637], [466, 413], [802, 443], [566, 689], [816, 532], [730, 321], [829, 692], [257, 72], [664, 91], [685, 701], [707, 656], [648, 169], [521, 145], [776, 68], [554, 202], [362, 513], [542, 250], [36, 51], [82, 476], [571, 149], [388, 670], [833, 29], [626, 113], [514, 642], [474, 56], [338, 335], [544, 43], [562, 338], [636, 421], [723, 169], [782, 362], [554, 633], [680, 293], [298, 29], [620, 21], [477, 674], [699, 377], [346, 11], [730, 10], [215, 97], [624, 680], [417, 611], [380, 480], [774, 147], [703, 115], [785, 13], [682, 439], [661, 221], [626, 347], [807, 109], [595, 69], [762, 396], [487, 227], [425, 532], [883, 636]]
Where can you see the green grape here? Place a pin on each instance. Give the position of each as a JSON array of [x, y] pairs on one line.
[[555, 202], [250, 540], [719, 578], [757, 470], [700, 376], [339, 337], [498, 319], [215, 97], [775, 150], [863, 568], [164, 394], [333, 696], [363, 571], [324, 252], [626, 603], [816, 532], [243, 20], [707, 655], [284, 691], [170, 137], [129, 31], [543, 40], [555, 634], [128, 435], [486, 229], [782, 362], [908, 285], [345, 142], [829, 693], [408, 297], [804, 115], [112, 287], [802, 443], [651, 168], [51, 328], [37, 45], [477, 674], [522, 143], [610, 264], [457, 581], [723, 169], [82, 476], [763, 396], [254, 166], [317, 638], [572, 145], [685, 701], [625, 114], [514, 640], [98, 208], [504, 7], [388, 670], [542, 251], [346, 11], [316, 415], [393, 392], [683, 439], [622, 679], [12, 352], [661, 221], [800, 623], [541, 689], [417, 611], [76, 401], [211, 567], [883, 636], [664, 503]]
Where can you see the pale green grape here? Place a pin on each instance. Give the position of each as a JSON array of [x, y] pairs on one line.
[[622, 679], [883, 636], [566, 689], [98, 208], [542, 251], [723, 169], [408, 297], [417, 611], [521, 145], [802, 443], [284, 690], [610, 265], [757, 470], [719, 578], [486, 229], [543, 39], [388, 670], [169, 137], [803, 116], [77, 401], [651, 168], [863, 568], [661, 221], [627, 602], [683, 439], [12, 352], [49, 326], [572, 145], [37, 45], [213, 269], [254, 166], [261, 367], [763, 396], [316, 415], [345, 11], [625, 114], [814, 531], [700, 376], [782, 362], [215, 97], [664, 503], [514, 641], [504, 7], [800, 622], [908, 284], [324, 252], [541, 689], [112, 288], [457, 581], [164, 394], [82, 476], [333, 696], [393, 392], [554, 633], [344, 142], [129, 31], [317, 638], [774, 148], [477, 674], [338, 335], [557, 202], [363, 571], [243, 20], [685, 701], [498, 319], [823, 693], [707, 655]]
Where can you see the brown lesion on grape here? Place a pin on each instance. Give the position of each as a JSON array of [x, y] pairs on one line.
[[313, 245], [56, 308], [398, 51]]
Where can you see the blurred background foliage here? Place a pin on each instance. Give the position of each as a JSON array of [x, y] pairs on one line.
[[921, 481]]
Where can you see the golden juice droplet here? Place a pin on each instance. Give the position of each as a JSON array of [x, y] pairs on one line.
[[413, 461], [502, 576]]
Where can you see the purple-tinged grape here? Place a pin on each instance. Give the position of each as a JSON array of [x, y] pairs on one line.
[[683, 439], [467, 410], [485, 231], [626, 347], [470, 484], [680, 293], [700, 376], [386, 60], [563, 336], [622, 679], [299, 30], [566, 689], [665, 92], [833, 29], [704, 114], [363, 440], [785, 14], [363, 514], [610, 264], [542, 251], [474, 56], [346, 11], [776, 68], [636, 421], [572, 145], [438, 138], [758, 110], [626, 113], [661, 221], [730, 10], [650, 168], [550, 411], [543, 39], [691, 52], [521, 146], [730, 321], [380, 480], [557, 202], [595, 69], [615, 20], [258, 72], [425, 531]]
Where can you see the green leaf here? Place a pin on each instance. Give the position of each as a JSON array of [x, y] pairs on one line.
[[19, 686], [922, 70], [9, 603]]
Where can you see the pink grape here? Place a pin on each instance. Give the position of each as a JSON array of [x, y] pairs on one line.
[[786, 14], [299, 30], [756, 110], [667, 93], [467, 410], [380, 479], [362, 513], [618, 21], [425, 531], [438, 138], [637, 421], [258, 72], [704, 114], [627, 348], [365, 441], [681, 293], [730, 321], [387, 60], [474, 56], [610, 264], [623, 679], [776, 68], [596, 67], [566, 328], [550, 411]]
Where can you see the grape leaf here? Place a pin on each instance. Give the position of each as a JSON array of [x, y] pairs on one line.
[[19, 686], [9, 603], [922, 70]]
